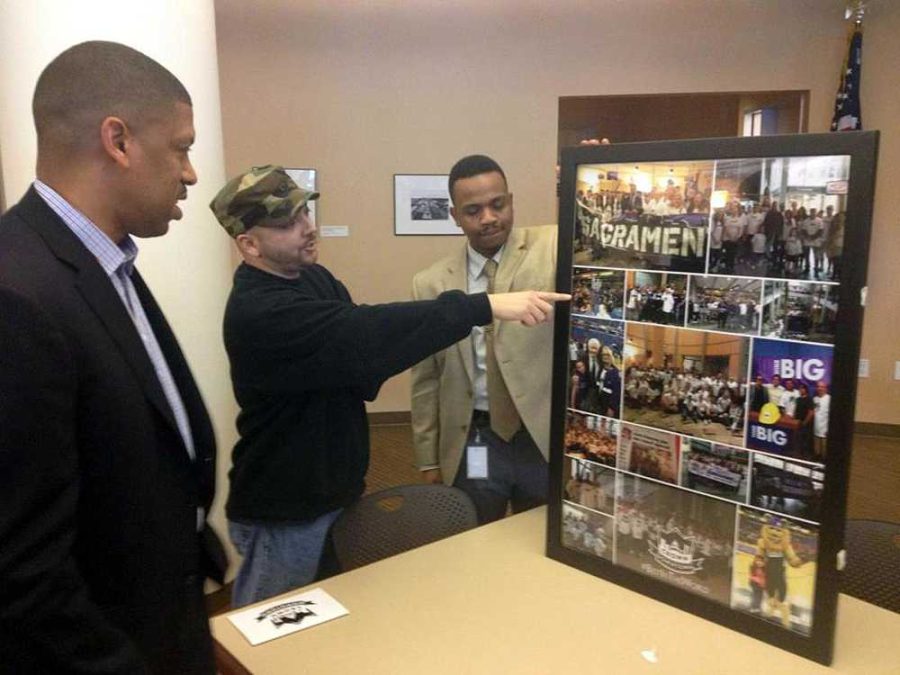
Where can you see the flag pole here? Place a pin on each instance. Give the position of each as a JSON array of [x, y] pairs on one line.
[[856, 10], [847, 113]]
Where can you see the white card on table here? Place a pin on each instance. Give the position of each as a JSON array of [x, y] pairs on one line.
[[288, 615]]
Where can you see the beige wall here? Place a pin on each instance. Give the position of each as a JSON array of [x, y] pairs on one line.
[[363, 90], [878, 397]]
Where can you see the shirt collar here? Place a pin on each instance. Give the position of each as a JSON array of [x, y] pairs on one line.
[[477, 261], [111, 256]]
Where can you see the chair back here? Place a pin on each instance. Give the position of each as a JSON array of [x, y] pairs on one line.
[[872, 572], [398, 519]]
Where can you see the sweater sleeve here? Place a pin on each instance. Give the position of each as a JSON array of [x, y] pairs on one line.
[[281, 340]]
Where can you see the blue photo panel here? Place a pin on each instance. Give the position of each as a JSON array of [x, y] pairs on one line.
[[790, 399], [595, 366]]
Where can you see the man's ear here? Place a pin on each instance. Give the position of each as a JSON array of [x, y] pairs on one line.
[[116, 140], [453, 215], [247, 245]]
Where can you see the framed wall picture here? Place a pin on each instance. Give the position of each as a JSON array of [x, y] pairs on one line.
[[306, 179], [705, 373], [422, 205]]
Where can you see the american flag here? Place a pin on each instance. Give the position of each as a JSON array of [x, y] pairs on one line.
[[847, 113]]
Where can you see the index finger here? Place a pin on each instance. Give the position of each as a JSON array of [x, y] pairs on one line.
[[551, 296]]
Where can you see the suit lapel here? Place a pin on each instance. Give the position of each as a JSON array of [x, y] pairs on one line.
[[99, 293], [513, 255], [198, 417], [456, 277]]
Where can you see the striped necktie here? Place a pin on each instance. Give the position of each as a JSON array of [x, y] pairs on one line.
[[505, 420]]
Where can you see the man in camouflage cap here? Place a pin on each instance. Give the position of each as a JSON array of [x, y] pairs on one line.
[[266, 196], [263, 193], [304, 359]]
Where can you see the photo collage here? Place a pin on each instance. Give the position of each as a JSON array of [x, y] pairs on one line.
[[705, 298]]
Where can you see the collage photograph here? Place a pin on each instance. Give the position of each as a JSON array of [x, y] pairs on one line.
[[655, 297], [781, 217], [687, 381], [799, 310], [790, 488], [676, 536], [725, 304], [775, 569], [649, 452], [725, 275], [592, 438], [595, 366], [589, 484], [718, 470], [790, 399], [598, 292], [587, 531], [650, 216]]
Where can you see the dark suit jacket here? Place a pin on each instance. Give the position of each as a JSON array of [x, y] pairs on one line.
[[609, 383], [759, 396], [101, 566], [590, 401]]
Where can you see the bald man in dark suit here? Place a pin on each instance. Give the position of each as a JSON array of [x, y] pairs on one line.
[[107, 454]]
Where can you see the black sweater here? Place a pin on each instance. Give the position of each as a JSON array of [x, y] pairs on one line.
[[304, 359]]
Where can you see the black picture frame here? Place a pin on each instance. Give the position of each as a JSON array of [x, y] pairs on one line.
[[862, 149]]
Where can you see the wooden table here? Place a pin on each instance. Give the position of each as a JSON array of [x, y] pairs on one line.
[[490, 601]]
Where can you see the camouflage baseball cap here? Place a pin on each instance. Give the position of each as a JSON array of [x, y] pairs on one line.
[[263, 195]]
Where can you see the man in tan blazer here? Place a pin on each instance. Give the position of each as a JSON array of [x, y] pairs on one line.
[[493, 446]]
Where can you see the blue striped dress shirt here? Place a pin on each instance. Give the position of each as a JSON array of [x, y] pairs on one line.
[[117, 260]]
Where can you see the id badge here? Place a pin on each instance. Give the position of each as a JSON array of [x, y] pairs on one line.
[[477, 462]]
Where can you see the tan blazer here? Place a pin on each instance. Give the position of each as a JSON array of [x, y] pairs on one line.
[[442, 385]]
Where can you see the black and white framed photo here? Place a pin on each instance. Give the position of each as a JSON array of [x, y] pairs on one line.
[[306, 179], [422, 205], [719, 401]]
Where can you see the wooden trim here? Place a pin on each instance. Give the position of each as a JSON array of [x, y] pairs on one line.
[[876, 429], [395, 417], [688, 94]]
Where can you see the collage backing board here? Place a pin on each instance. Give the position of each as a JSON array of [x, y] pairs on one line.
[[705, 373]]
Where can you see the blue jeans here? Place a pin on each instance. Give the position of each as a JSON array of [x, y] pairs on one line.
[[277, 557]]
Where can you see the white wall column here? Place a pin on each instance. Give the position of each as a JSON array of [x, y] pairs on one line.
[[189, 270]]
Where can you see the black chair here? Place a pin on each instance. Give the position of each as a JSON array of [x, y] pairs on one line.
[[398, 519], [872, 572]]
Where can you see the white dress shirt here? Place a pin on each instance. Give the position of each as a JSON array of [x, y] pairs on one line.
[[477, 282]]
